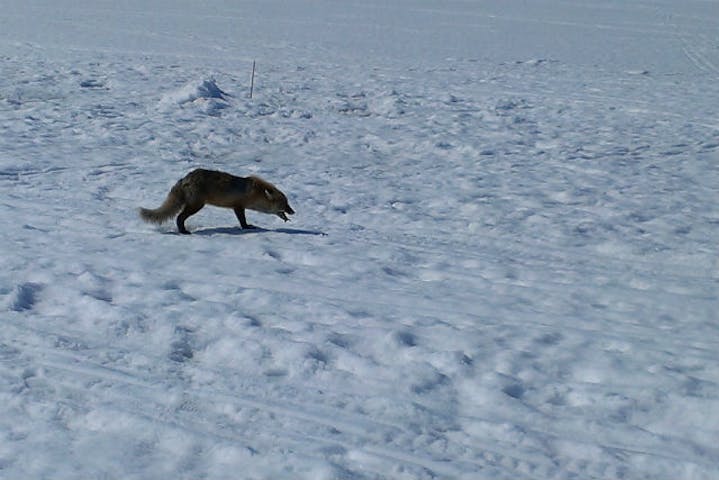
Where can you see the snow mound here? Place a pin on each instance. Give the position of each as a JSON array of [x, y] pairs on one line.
[[204, 93]]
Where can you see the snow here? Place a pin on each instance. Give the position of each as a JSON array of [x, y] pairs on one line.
[[503, 262]]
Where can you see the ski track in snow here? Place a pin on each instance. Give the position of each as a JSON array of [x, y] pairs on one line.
[[498, 269]]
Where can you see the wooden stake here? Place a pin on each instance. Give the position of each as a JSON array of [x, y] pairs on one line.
[[252, 83]]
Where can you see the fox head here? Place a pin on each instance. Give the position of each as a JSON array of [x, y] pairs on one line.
[[273, 201], [279, 203]]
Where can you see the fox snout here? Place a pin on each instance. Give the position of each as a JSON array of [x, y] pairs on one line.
[[287, 210]]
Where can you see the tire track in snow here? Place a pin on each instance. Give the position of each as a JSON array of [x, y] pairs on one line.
[[517, 250], [94, 370], [695, 53], [652, 109], [155, 390], [590, 265], [142, 392], [396, 300], [150, 393], [146, 391]]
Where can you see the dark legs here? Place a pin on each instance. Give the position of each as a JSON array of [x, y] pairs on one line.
[[190, 210], [186, 212], [240, 212]]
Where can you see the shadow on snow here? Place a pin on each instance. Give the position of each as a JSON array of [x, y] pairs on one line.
[[241, 231]]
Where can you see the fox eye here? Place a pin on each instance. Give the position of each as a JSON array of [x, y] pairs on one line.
[[268, 193]]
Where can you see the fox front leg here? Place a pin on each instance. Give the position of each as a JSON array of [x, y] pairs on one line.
[[240, 213]]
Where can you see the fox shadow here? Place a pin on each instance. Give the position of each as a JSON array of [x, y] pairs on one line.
[[257, 230]]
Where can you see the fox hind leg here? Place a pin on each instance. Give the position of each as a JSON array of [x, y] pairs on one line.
[[186, 212], [240, 213]]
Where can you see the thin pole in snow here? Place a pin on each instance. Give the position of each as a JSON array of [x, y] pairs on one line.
[[252, 82]]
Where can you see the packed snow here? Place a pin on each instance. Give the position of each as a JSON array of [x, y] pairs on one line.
[[504, 261]]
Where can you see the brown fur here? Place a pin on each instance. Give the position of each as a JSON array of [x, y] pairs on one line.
[[202, 187]]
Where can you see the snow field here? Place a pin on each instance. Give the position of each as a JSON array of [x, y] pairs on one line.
[[498, 269]]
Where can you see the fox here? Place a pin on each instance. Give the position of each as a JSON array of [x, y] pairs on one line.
[[203, 187]]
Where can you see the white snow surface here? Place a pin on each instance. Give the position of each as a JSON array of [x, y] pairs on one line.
[[503, 262]]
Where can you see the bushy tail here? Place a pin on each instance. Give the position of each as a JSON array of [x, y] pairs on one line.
[[170, 207]]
